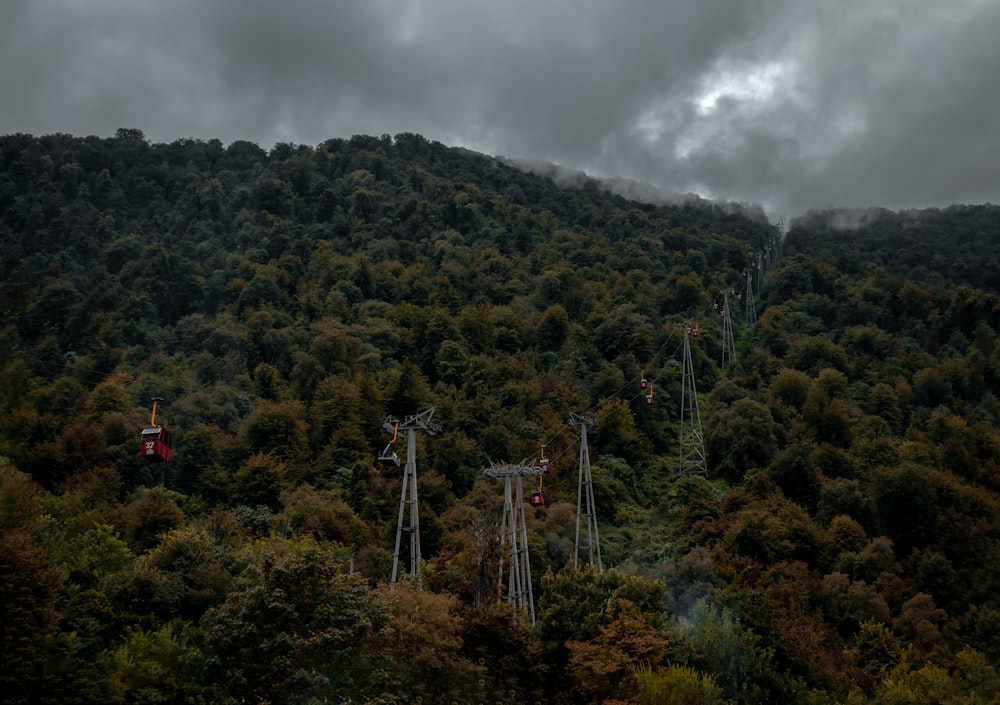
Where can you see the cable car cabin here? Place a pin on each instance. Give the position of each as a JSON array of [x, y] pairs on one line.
[[544, 464], [155, 444], [537, 498], [643, 383], [649, 397]]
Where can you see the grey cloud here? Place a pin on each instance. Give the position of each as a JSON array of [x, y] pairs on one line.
[[794, 105]]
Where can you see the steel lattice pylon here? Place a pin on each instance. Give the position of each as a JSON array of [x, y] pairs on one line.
[[514, 536], [409, 515], [751, 305], [728, 341], [692, 443], [585, 506]]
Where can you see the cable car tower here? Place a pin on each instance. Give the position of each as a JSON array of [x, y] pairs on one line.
[[728, 343], [514, 535], [408, 509], [692, 442], [585, 507], [760, 272], [751, 305]]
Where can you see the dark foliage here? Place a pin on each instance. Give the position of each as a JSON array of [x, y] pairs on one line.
[[284, 303]]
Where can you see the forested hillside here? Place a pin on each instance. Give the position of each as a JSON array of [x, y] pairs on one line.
[[289, 305]]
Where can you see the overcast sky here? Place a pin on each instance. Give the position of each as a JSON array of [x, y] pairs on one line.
[[794, 104]]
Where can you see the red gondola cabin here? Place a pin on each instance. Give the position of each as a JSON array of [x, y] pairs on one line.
[[155, 444], [537, 498]]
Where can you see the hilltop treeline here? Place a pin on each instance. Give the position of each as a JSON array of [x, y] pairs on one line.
[[285, 303]]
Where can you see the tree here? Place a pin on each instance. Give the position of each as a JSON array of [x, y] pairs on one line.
[[919, 621], [739, 438], [267, 383], [791, 387], [554, 327], [163, 665], [515, 667], [297, 626], [150, 514], [90, 556], [260, 481], [200, 561], [29, 592], [825, 410], [275, 427], [768, 534], [967, 678], [743, 667], [130, 134], [905, 498], [604, 667], [797, 475], [814, 353], [579, 602], [323, 515], [425, 638], [876, 651], [410, 394], [676, 685], [108, 397]]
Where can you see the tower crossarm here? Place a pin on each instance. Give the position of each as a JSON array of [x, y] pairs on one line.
[[419, 422], [505, 469]]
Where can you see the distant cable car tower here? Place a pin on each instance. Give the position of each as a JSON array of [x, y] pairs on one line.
[[751, 305], [692, 443], [514, 535], [408, 508], [760, 273], [585, 506], [728, 342]]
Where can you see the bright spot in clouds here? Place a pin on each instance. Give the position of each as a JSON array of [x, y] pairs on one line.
[[750, 83]]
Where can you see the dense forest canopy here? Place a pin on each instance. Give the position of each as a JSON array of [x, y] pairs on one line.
[[284, 304]]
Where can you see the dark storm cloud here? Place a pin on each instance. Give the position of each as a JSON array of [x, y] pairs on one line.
[[793, 104]]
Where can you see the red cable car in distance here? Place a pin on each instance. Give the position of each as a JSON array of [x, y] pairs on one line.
[[537, 495], [155, 443], [543, 462]]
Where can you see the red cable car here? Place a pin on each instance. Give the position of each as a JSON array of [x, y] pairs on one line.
[[537, 497], [155, 443], [649, 396]]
